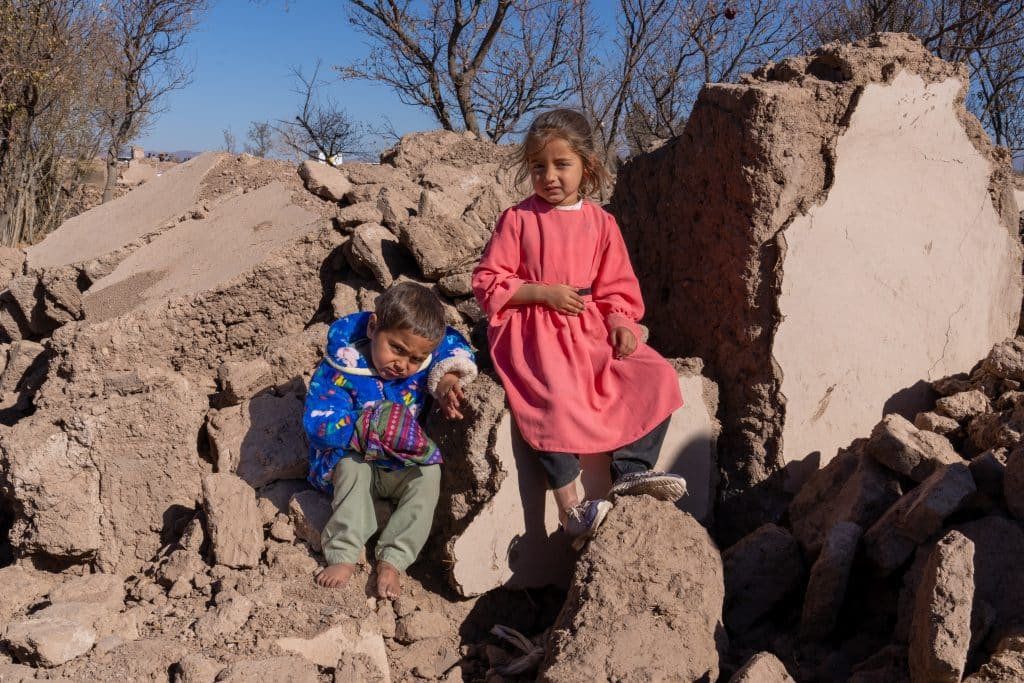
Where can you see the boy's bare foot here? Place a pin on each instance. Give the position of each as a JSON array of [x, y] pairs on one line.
[[336, 575], [389, 582]]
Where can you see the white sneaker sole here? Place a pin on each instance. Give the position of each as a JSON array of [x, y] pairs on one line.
[[659, 487], [602, 511]]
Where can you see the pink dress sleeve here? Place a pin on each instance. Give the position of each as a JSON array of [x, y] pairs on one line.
[[615, 290], [496, 279]]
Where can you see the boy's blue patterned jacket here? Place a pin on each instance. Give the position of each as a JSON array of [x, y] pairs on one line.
[[344, 384]]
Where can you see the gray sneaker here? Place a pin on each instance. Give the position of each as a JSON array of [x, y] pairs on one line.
[[660, 485], [584, 520]]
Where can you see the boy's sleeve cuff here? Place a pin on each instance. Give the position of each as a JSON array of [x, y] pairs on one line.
[[460, 365]]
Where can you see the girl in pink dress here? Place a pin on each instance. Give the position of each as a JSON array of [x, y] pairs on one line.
[[563, 303]]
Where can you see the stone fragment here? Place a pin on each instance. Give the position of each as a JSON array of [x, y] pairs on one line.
[[988, 471], [95, 472], [851, 488], [103, 590], [947, 386], [764, 667], [260, 440], [339, 642], [323, 180], [396, 205], [22, 587], [933, 422], [364, 193], [421, 625], [917, 516], [17, 673], [375, 252], [471, 309], [358, 214], [12, 262], [287, 669], [963, 405], [440, 245], [240, 380], [358, 667], [456, 284], [282, 530], [233, 522], [1006, 359], [826, 589], [345, 300], [905, 449], [672, 619], [941, 629], [20, 357], [760, 571], [62, 300], [197, 668], [48, 641], [818, 228], [180, 568], [309, 511], [1006, 663], [229, 614], [1013, 483], [995, 430], [26, 294]]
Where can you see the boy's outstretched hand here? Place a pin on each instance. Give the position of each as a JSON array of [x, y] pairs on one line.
[[623, 342], [450, 395]]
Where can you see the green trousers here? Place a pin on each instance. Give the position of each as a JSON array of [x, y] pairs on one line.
[[357, 483]]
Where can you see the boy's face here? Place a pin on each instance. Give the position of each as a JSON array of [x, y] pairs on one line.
[[397, 354]]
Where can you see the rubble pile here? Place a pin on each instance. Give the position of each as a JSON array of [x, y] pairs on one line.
[[155, 351], [903, 558]]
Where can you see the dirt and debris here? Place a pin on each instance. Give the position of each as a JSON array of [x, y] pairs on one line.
[[155, 352]]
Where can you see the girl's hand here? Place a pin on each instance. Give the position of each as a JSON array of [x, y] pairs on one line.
[[564, 299], [450, 396], [623, 342]]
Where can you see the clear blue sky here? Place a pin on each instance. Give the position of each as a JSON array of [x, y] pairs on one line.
[[243, 52]]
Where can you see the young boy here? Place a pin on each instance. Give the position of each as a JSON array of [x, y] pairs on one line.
[[365, 442]]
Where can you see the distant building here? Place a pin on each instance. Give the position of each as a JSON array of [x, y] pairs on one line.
[[336, 159]]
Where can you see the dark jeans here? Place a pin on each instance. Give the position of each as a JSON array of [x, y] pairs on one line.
[[639, 456]]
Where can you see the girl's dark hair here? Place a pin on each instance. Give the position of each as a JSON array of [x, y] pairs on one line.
[[409, 306], [571, 126]]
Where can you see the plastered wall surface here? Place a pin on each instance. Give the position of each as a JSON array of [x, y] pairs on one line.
[[515, 540], [198, 255], [903, 274], [111, 226]]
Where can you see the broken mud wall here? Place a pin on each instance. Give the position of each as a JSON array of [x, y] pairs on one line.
[[827, 235]]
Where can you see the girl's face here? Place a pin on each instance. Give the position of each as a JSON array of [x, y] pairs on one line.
[[556, 172]]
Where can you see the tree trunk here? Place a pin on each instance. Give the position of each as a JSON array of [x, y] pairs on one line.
[[108, 187]]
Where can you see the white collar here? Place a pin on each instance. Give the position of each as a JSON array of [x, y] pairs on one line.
[[572, 207]]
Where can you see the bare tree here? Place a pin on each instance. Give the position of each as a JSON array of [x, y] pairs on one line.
[[261, 139], [641, 91], [145, 65], [230, 142], [48, 97], [987, 35], [321, 128], [475, 64]]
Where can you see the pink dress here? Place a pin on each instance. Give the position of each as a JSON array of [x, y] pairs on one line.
[[567, 391]]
